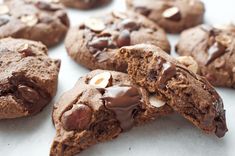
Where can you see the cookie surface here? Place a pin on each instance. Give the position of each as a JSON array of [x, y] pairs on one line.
[[28, 77], [85, 4], [94, 44], [186, 92], [172, 15], [100, 106], [39, 20], [214, 50]]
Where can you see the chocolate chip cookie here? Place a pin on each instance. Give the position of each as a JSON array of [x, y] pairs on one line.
[[95, 43], [172, 15], [186, 92], [85, 4], [28, 77], [100, 106], [39, 20], [214, 50]]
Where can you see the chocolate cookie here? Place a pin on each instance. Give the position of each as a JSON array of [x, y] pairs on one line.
[[85, 4], [186, 92], [39, 20], [214, 50], [172, 15], [95, 43], [100, 106], [28, 77]]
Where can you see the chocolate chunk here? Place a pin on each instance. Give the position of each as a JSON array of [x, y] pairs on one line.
[[143, 10], [124, 39], [99, 43], [129, 24], [46, 6], [168, 71], [215, 51], [123, 100], [29, 94], [172, 14], [63, 18], [77, 118], [4, 19]]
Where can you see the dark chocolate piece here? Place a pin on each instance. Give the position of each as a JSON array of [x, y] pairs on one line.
[[123, 100]]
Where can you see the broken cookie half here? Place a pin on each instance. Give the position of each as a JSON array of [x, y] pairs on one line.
[[28, 77], [186, 92], [98, 108]]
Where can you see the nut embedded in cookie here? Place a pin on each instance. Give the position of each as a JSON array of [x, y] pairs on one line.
[[186, 92], [89, 114]]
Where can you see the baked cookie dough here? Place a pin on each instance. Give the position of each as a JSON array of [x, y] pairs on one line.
[[28, 77], [39, 20], [214, 50], [186, 92], [95, 43], [100, 106], [85, 4], [172, 15]]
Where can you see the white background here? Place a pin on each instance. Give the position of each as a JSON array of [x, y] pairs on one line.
[[168, 136]]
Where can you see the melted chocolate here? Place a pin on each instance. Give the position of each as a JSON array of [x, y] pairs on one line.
[[123, 101], [215, 51], [167, 71]]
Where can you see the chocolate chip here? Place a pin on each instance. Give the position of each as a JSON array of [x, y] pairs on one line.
[[143, 10], [124, 39], [168, 71], [63, 18], [172, 14], [28, 93], [4, 19], [77, 118], [129, 24], [215, 51], [47, 6], [123, 101], [100, 43]]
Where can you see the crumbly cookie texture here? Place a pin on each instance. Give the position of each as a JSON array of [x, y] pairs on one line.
[[95, 43], [214, 50], [100, 106], [85, 4], [186, 92], [39, 20], [172, 15], [28, 77]]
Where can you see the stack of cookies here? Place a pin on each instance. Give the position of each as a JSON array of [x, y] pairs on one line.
[[133, 81]]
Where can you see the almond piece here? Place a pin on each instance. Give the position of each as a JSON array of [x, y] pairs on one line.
[[154, 101], [4, 9], [101, 80], [95, 24], [172, 14], [189, 62], [29, 20]]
